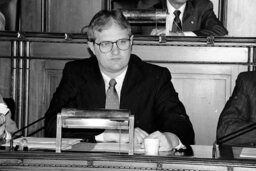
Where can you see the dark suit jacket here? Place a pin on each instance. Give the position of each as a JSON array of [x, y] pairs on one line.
[[147, 92], [199, 18], [240, 110]]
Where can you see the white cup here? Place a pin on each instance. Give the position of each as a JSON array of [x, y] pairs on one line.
[[151, 146]]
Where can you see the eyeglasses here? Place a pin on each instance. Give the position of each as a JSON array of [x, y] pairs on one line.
[[107, 46]]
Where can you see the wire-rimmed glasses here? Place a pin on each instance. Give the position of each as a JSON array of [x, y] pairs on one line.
[[107, 46]]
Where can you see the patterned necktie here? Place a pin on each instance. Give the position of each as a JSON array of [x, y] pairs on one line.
[[112, 101], [176, 25]]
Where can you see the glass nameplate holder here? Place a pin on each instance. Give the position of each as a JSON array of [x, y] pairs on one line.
[[95, 119]]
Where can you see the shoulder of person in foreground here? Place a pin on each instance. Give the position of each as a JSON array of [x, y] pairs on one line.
[[238, 111]]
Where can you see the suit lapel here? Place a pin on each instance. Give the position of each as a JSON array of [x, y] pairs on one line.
[[131, 80], [189, 19]]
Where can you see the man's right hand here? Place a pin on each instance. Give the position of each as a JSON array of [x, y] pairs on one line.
[[157, 32], [115, 136]]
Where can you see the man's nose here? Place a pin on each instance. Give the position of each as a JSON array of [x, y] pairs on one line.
[[115, 49]]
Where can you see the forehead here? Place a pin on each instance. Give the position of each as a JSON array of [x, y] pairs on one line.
[[111, 33]]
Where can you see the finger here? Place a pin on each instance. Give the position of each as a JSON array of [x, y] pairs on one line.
[[140, 135], [155, 134], [141, 132], [153, 32], [160, 32]]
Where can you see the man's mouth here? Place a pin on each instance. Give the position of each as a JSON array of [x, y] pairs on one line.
[[115, 59]]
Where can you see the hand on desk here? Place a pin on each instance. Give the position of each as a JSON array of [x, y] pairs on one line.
[[123, 137], [158, 32], [168, 140]]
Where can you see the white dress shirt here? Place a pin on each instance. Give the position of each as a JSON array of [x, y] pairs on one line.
[[119, 82]]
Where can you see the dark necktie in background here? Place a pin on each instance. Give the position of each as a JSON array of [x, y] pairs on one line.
[[176, 25], [112, 100]]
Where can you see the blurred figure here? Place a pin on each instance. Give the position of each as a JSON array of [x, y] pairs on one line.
[[186, 18], [240, 111], [9, 10], [2, 22], [7, 125]]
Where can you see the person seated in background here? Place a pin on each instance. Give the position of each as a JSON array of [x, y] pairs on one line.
[[7, 125], [240, 111], [2, 21], [187, 18], [113, 72]]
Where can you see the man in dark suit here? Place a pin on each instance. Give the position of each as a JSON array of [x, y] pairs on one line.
[[240, 111], [144, 89], [197, 18]]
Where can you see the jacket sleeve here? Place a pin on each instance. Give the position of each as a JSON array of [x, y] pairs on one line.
[[210, 24], [64, 92], [65, 96], [171, 113]]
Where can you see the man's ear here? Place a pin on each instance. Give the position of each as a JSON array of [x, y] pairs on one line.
[[131, 39], [91, 46], [131, 42]]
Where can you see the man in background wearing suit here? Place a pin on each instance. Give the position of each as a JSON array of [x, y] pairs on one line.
[[240, 111], [144, 89], [197, 18]]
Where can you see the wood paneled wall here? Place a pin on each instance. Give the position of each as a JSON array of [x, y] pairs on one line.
[[65, 16], [70, 16], [241, 18]]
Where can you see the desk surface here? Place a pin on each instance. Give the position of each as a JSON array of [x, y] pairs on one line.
[[67, 160]]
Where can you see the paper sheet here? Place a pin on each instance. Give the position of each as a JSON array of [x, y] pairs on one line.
[[248, 152], [45, 143], [107, 147]]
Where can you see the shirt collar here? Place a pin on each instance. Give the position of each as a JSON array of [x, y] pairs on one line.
[[119, 81], [171, 9]]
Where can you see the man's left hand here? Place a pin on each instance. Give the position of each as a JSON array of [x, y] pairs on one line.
[[175, 34]]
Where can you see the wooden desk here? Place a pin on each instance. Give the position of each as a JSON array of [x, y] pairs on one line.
[[200, 161]]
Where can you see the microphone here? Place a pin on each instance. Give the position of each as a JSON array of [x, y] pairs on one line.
[[23, 128], [231, 136]]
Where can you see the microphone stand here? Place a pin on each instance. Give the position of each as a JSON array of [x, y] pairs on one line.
[[13, 135]]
